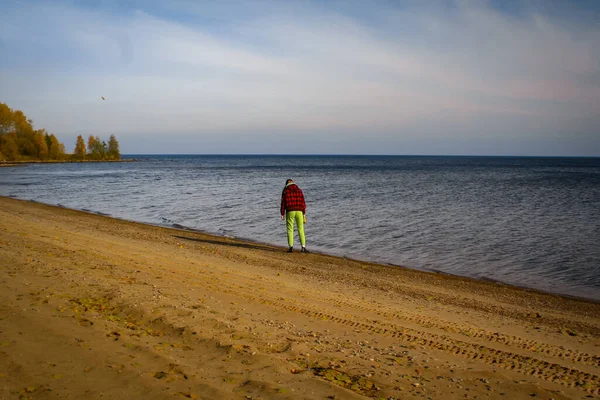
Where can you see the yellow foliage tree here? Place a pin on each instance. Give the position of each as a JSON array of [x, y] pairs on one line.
[[9, 149], [40, 143], [18, 139], [113, 148], [57, 149], [80, 151], [7, 123], [91, 145]]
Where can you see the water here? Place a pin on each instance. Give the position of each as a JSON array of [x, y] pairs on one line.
[[532, 222]]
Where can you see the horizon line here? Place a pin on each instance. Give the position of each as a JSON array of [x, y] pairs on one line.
[[352, 155]]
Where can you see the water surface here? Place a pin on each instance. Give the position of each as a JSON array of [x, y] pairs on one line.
[[532, 222]]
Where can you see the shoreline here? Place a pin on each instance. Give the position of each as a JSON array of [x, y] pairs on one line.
[[183, 228], [23, 163], [342, 258], [100, 306]]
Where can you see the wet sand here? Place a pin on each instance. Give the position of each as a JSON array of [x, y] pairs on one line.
[[94, 307]]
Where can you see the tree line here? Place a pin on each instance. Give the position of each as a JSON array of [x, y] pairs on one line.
[[97, 149], [19, 141]]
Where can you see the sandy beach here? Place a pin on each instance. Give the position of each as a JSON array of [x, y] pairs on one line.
[[95, 307]]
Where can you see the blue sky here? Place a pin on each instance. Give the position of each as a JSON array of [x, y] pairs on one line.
[[309, 77]]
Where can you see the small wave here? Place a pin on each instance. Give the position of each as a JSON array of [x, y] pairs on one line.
[[439, 271], [226, 233], [488, 279], [166, 221], [179, 226], [102, 213]]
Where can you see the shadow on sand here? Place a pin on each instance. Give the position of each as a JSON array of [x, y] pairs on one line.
[[225, 242]]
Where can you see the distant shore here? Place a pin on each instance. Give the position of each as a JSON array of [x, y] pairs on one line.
[[110, 308], [21, 163]]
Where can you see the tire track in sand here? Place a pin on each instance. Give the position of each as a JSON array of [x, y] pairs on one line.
[[476, 333], [526, 365], [523, 364]]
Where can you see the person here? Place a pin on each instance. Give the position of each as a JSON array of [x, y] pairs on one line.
[[293, 209]]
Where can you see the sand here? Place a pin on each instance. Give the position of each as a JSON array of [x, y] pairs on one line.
[[95, 307]]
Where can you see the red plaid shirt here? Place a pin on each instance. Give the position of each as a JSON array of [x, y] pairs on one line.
[[292, 199]]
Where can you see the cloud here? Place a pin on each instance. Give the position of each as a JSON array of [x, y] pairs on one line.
[[461, 67]]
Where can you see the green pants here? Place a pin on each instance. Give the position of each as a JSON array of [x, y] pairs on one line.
[[290, 217]]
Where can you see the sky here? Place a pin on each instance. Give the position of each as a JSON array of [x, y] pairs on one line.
[[447, 77]]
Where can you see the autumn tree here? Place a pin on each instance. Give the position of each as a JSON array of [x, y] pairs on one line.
[[9, 149], [97, 150], [19, 140], [57, 149], [91, 144], [113, 148], [80, 152], [41, 146], [25, 134], [47, 138], [16, 134], [6, 127], [7, 124]]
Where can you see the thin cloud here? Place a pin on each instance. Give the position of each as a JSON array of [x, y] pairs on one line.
[[298, 68]]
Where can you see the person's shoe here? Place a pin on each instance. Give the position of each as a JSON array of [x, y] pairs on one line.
[[304, 250], [291, 249]]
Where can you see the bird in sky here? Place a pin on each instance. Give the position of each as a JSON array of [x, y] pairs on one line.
[[103, 98]]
